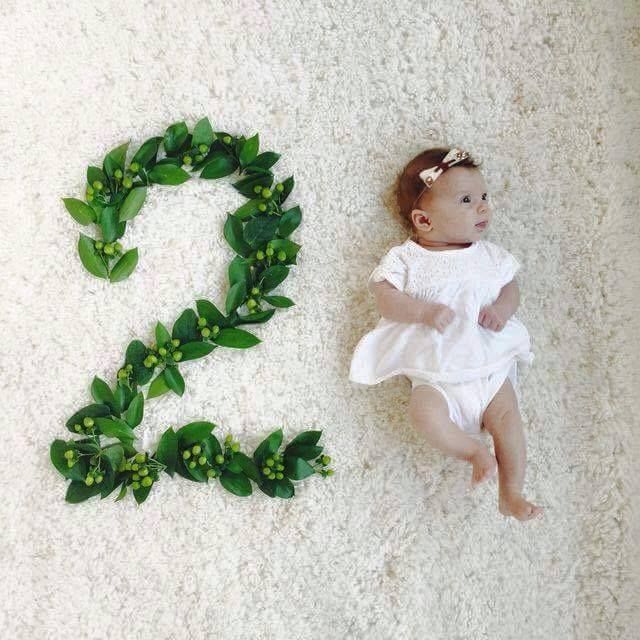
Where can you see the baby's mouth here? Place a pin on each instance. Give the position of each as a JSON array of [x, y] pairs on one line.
[[482, 225]]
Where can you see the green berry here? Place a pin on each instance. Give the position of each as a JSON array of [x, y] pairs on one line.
[[153, 359], [251, 303], [135, 466], [206, 332], [279, 476], [202, 460], [70, 463], [196, 449], [117, 173], [88, 481], [186, 454], [326, 459], [122, 374], [140, 457], [99, 479], [89, 198], [257, 189], [215, 329], [282, 256], [127, 183], [266, 471], [108, 249], [88, 422], [162, 351], [187, 159], [255, 291], [202, 322], [177, 355], [260, 255], [135, 486], [269, 251], [211, 473], [192, 464], [280, 187], [226, 139], [262, 206], [147, 482], [272, 476], [143, 472], [77, 427], [270, 462], [90, 190], [280, 467], [202, 148], [68, 454], [117, 246], [199, 157], [219, 458], [266, 193], [175, 342], [134, 167], [97, 185], [235, 447], [129, 367]]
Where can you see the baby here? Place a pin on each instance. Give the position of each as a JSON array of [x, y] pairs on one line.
[[447, 298]]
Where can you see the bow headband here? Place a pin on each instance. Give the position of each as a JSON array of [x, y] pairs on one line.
[[428, 176]]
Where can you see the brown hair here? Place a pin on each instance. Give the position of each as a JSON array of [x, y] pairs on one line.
[[409, 186]]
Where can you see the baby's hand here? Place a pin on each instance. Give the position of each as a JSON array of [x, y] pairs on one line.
[[441, 317], [492, 317]]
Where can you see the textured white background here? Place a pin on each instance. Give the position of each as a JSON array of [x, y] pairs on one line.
[[393, 546]]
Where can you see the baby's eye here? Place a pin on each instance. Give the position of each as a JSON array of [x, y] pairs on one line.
[[468, 198]]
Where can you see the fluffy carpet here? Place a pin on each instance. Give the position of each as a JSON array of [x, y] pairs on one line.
[[393, 545]]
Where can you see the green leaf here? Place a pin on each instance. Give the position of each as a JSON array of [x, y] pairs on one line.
[[167, 452], [268, 447], [174, 380], [168, 174], [221, 164], [115, 159], [249, 208], [109, 223], [289, 221], [305, 451], [174, 136], [209, 311], [123, 396], [80, 211], [115, 428], [281, 196], [236, 338], [203, 133], [147, 153], [246, 186], [273, 276], [101, 393], [95, 173], [264, 160], [258, 231], [114, 454], [162, 334], [297, 468], [283, 488], [195, 350], [135, 411], [248, 467], [56, 453], [125, 266], [240, 271], [90, 258], [79, 492], [236, 483], [289, 247], [256, 318], [194, 432], [279, 301], [305, 437], [90, 411], [158, 386], [132, 203], [235, 296], [233, 234], [249, 150], [185, 328], [135, 356], [141, 494], [123, 491]]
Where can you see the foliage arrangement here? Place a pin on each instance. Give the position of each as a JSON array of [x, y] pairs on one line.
[[258, 231]]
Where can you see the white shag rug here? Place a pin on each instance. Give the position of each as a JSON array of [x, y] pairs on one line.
[[393, 546]]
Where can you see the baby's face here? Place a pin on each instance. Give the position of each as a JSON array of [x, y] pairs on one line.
[[455, 204]]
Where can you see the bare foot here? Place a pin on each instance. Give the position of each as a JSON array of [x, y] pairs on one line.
[[484, 464], [513, 504]]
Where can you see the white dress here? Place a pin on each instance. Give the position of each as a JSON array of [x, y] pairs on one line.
[[466, 280]]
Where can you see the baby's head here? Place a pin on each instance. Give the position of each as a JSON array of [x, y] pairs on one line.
[[448, 210]]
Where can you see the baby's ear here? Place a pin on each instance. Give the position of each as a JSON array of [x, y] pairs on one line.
[[420, 217]]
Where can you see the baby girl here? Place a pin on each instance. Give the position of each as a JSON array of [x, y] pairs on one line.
[[447, 298]]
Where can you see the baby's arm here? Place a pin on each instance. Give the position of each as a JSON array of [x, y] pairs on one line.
[[495, 316], [396, 305]]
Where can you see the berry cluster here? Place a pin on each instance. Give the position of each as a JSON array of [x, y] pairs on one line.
[[121, 179], [168, 351], [196, 153], [109, 249], [323, 461], [194, 456], [205, 330], [144, 470], [87, 426]]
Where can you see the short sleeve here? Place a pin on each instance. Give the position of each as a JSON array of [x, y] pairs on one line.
[[506, 264], [392, 268]]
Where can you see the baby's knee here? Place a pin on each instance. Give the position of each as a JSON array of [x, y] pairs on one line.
[[427, 407]]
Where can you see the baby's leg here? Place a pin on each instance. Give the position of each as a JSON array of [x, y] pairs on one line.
[[502, 420], [429, 414]]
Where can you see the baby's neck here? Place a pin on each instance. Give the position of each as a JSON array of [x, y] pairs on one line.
[[435, 245]]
